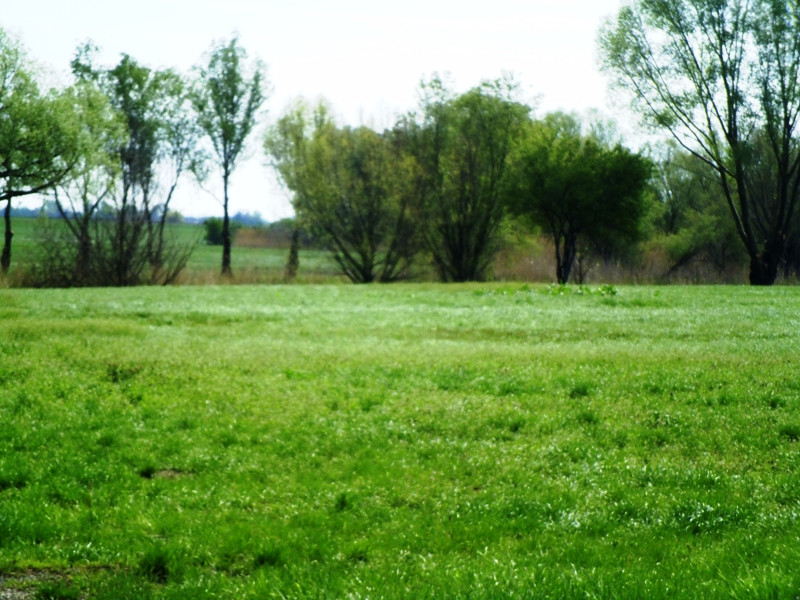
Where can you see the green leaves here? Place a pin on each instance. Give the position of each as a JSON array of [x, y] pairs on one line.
[[461, 144], [579, 188], [716, 75], [38, 139], [227, 100], [353, 188]]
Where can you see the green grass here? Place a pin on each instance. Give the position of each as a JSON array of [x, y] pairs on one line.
[[250, 265], [404, 441]]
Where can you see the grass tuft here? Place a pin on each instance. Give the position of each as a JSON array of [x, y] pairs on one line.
[[156, 564], [341, 503], [790, 431], [57, 590], [270, 556]]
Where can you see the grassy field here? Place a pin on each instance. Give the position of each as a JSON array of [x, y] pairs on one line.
[[250, 264], [404, 441]]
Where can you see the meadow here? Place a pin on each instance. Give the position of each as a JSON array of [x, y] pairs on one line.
[[256, 259], [403, 441]]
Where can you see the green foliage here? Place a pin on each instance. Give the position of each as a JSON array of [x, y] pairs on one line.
[[57, 591], [353, 189], [585, 192], [227, 99], [38, 135], [461, 144], [213, 227], [562, 289], [691, 220]]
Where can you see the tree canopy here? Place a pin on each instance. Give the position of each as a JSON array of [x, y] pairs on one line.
[[580, 190], [353, 189], [723, 78], [38, 135]]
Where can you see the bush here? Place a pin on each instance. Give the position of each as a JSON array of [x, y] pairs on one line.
[[213, 227]]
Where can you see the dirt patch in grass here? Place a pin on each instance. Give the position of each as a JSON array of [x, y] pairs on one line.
[[27, 584], [22, 586]]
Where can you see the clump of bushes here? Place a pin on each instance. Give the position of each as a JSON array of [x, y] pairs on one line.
[[213, 228]]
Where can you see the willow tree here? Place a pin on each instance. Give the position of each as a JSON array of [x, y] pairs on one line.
[[461, 144], [353, 189], [723, 78]]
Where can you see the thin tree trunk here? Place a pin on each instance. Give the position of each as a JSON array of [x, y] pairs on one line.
[[293, 263], [5, 258], [226, 231]]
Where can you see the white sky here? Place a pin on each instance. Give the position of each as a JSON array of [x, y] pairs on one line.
[[366, 57]]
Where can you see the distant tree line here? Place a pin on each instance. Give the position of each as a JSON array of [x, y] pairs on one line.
[[446, 183]]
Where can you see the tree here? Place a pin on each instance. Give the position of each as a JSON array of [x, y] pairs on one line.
[[353, 189], [90, 183], [227, 101], [691, 220], [138, 138], [723, 78], [581, 190], [461, 144], [38, 140]]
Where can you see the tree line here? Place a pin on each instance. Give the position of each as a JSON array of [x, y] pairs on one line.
[[447, 180], [110, 151]]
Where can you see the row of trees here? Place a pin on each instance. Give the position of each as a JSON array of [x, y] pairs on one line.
[[111, 150], [444, 179], [721, 77]]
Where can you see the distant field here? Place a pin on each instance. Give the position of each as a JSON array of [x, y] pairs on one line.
[[405, 441], [250, 264]]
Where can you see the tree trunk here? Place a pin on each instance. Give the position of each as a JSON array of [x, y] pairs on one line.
[[5, 258], [565, 257], [226, 231], [83, 266], [293, 263], [763, 271]]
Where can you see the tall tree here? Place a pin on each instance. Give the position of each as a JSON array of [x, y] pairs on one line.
[[227, 100], [581, 190], [353, 189], [157, 147], [717, 75], [38, 135], [461, 144]]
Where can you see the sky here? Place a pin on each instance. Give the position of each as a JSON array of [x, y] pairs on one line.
[[365, 57]]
